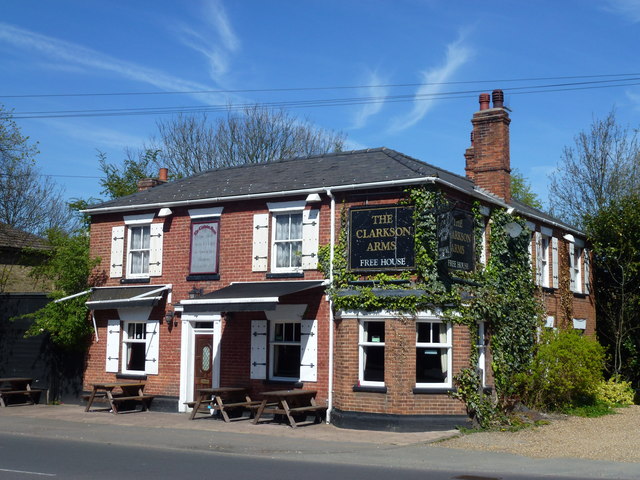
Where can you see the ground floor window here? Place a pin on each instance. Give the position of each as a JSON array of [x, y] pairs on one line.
[[371, 347], [132, 347], [285, 350], [433, 353]]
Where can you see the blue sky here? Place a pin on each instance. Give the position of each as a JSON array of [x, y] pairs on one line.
[[399, 52]]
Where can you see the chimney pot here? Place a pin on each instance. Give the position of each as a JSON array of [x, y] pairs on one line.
[[484, 101], [498, 98], [163, 175]]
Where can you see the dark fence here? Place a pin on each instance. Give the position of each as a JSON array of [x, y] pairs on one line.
[[58, 371]]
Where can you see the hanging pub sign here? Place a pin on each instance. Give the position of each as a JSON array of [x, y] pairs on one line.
[[381, 238], [204, 247], [456, 240]]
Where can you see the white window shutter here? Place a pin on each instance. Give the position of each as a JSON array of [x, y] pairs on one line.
[[260, 242], [117, 252], [538, 239], [586, 274], [258, 349], [554, 262], [572, 263], [155, 249], [153, 347], [309, 350], [310, 231], [113, 345]]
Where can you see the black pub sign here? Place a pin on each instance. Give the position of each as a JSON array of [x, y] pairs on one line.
[[381, 238], [456, 240]]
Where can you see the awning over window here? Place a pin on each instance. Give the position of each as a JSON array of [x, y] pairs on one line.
[[248, 296], [103, 298]]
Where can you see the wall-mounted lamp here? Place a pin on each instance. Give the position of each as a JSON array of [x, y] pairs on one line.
[[570, 238], [195, 292], [164, 212], [169, 318], [313, 198]]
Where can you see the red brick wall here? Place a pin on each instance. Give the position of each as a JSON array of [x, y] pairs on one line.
[[236, 234]]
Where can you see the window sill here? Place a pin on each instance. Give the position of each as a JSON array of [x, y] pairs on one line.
[[201, 277], [286, 275], [131, 376], [432, 390], [580, 295], [293, 383], [369, 389], [549, 289], [135, 280]]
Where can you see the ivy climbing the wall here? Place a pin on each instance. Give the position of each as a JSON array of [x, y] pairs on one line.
[[501, 294]]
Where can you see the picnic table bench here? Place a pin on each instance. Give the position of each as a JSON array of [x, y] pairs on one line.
[[291, 404], [18, 387], [222, 399], [130, 392]]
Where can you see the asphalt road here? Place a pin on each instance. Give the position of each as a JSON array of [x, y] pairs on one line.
[[24, 458]]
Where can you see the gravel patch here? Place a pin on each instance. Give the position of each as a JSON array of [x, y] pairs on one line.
[[613, 437]]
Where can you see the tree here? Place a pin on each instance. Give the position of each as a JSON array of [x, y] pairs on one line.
[[191, 144], [28, 201], [601, 166], [521, 190], [68, 267], [614, 232], [121, 180]]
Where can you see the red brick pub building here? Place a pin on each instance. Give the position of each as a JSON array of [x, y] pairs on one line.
[[213, 280]]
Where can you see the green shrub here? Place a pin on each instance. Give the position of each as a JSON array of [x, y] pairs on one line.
[[566, 372], [615, 391]]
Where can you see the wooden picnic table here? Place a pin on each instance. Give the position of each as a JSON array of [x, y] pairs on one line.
[[130, 392], [222, 399], [290, 403], [12, 387]]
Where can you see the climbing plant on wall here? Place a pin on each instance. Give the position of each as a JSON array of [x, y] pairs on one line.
[[501, 294]]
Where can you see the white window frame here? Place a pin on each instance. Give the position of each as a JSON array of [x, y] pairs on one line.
[[447, 383], [545, 247], [576, 272], [482, 352], [273, 343], [126, 341], [274, 242], [362, 345], [131, 251]]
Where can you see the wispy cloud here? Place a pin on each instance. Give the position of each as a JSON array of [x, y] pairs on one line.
[[65, 54], [457, 55], [215, 39], [375, 94], [93, 135], [629, 9]]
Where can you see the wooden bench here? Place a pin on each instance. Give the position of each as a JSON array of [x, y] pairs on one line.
[[7, 394], [144, 400]]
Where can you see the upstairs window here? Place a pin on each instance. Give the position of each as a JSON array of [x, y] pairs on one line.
[[139, 250], [287, 241]]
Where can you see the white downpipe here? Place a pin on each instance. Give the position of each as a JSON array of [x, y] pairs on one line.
[[331, 320], [95, 326]]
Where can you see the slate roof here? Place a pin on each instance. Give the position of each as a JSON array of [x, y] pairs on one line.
[[354, 168], [13, 238], [307, 173]]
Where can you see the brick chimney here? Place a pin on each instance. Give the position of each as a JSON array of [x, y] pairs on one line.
[[488, 163], [147, 183]]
